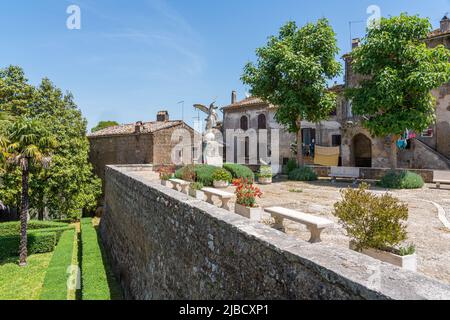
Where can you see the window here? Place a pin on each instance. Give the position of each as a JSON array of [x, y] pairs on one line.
[[262, 122], [244, 123], [336, 140]]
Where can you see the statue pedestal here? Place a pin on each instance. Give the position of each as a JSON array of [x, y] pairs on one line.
[[212, 154]]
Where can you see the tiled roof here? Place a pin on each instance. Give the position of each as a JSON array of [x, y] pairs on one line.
[[437, 33], [247, 102], [125, 129]]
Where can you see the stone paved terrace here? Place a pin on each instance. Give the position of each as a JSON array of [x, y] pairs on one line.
[[426, 231], [166, 245]]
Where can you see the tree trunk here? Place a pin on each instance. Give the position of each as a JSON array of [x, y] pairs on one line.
[[394, 159], [24, 216], [300, 159]]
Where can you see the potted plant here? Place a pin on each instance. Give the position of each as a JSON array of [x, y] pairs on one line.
[[165, 174], [246, 194], [221, 178], [265, 175], [195, 191], [376, 226]]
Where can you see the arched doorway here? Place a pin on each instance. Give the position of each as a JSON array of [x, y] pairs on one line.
[[362, 151]]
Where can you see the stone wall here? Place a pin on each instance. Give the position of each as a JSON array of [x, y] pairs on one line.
[[166, 245]]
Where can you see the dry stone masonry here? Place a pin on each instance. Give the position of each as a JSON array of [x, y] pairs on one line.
[[166, 245]]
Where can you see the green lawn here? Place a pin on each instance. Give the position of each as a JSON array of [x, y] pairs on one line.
[[18, 283]]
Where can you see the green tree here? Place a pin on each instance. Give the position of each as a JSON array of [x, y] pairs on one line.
[[29, 145], [69, 185], [292, 71], [399, 72], [103, 125]]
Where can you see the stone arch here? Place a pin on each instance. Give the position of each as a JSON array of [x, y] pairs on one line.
[[362, 151]]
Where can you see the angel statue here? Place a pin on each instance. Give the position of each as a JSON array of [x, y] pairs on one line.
[[213, 118]]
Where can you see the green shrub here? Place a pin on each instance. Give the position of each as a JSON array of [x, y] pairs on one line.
[[13, 228], [55, 282], [291, 165], [303, 174], [203, 174], [93, 273], [37, 243], [401, 180], [197, 186], [222, 175], [372, 221], [239, 171], [265, 172]]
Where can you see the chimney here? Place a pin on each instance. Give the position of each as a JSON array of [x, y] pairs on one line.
[[162, 116], [445, 24], [138, 128], [233, 97], [355, 43]]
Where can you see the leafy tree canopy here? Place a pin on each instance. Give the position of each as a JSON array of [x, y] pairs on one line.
[[399, 72], [68, 185], [103, 125], [292, 71]]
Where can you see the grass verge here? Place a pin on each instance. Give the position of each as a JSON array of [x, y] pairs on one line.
[[56, 279], [93, 274]]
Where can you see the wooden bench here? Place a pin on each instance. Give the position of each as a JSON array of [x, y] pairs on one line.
[[345, 173], [441, 177], [184, 185], [224, 196], [314, 224]]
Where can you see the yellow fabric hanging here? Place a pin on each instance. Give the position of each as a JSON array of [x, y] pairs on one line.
[[326, 156]]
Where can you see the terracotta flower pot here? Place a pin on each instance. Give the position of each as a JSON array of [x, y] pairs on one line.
[[250, 213], [220, 184], [408, 262], [264, 180]]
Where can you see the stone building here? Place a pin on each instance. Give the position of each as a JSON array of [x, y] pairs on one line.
[[136, 143], [254, 113], [431, 149]]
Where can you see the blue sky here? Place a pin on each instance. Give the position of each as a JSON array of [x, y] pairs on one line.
[[133, 58]]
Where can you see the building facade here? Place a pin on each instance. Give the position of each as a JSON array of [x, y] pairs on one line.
[[254, 114], [137, 143], [431, 148]]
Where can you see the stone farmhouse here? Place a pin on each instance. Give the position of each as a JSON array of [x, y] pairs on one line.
[[137, 143], [254, 113], [431, 148]]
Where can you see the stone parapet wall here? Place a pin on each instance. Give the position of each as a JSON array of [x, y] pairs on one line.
[[166, 245]]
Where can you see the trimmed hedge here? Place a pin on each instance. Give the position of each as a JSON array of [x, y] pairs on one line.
[[55, 282], [203, 174], [13, 228], [303, 174], [239, 171], [401, 180], [93, 274], [37, 243]]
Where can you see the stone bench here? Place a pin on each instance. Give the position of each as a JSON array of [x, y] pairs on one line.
[[224, 196], [441, 177], [345, 173], [314, 224], [184, 185]]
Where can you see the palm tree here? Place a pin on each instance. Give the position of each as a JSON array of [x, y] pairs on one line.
[[28, 144]]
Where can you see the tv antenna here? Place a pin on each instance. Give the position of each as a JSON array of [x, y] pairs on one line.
[[350, 25]]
